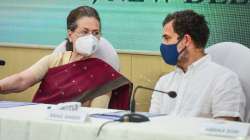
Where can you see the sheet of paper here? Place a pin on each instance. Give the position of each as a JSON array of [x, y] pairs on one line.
[[9, 104]]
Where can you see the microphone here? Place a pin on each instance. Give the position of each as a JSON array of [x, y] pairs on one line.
[[2, 62], [134, 117]]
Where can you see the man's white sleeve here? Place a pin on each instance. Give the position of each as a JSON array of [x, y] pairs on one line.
[[229, 98], [156, 100]]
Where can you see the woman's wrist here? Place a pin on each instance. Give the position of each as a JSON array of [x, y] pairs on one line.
[[1, 89]]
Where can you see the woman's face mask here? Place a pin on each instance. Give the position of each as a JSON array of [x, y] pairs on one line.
[[86, 45]]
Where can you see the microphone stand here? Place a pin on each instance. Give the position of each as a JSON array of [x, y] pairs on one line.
[[135, 117]]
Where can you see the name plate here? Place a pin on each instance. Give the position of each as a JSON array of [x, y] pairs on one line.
[[66, 115], [225, 129]]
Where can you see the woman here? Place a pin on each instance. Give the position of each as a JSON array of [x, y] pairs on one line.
[[75, 75]]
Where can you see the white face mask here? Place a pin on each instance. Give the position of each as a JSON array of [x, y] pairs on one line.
[[86, 45]]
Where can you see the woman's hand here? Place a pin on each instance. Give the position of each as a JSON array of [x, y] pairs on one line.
[[1, 89], [86, 104]]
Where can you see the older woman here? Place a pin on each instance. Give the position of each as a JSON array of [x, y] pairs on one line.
[[75, 75]]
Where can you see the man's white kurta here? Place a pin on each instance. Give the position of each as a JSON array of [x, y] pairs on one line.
[[205, 90]]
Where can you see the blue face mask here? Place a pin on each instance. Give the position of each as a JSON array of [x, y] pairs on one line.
[[169, 53]]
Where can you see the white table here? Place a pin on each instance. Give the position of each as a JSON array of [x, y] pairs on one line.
[[30, 123]]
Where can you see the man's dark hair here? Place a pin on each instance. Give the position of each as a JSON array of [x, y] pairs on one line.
[[191, 23]]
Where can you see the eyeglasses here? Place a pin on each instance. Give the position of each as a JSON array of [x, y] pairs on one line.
[[85, 32]]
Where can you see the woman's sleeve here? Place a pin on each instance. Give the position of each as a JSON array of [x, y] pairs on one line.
[[101, 101], [40, 68]]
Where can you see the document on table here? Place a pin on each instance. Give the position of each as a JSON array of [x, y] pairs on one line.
[[9, 104]]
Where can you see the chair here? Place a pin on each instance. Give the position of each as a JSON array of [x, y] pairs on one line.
[[106, 52], [236, 57]]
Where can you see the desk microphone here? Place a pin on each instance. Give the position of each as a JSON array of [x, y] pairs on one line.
[[2, 62], [135, 117]]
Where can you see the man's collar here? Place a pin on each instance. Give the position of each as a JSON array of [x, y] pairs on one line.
[[195, 64]]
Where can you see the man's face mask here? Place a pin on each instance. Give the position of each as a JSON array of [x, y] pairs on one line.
[[86, 45], [170, 53]]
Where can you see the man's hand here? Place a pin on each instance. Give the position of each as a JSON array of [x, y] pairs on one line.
[[228, 118]]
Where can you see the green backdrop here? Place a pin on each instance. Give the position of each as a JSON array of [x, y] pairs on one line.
[[128, 24]]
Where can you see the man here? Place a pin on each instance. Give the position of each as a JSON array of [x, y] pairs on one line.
[[204, 88]]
